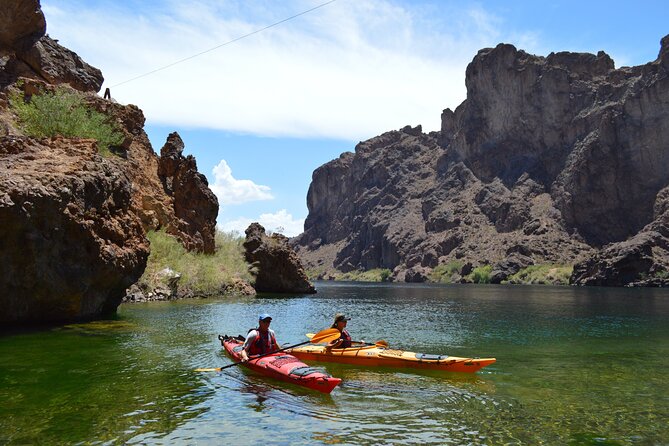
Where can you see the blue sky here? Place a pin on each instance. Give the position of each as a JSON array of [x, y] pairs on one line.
[[262, 113]]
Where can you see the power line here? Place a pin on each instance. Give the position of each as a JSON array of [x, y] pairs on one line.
[[224, 44]]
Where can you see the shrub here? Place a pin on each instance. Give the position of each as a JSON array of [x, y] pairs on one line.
[[64, 112], [548, 274], [204, 273], [480, 274], [444, 273]]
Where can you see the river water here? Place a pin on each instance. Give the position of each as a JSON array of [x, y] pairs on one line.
[[575, 366]]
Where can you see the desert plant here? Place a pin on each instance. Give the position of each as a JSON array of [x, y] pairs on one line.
[[547, 274], [63, 112], [202, 273], [480, 274], [444, 272], [372, 275]]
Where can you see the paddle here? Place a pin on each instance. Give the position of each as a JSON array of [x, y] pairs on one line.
[[379, 343], [322, 336]]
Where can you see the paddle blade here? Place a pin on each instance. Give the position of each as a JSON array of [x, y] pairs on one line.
[[382, 343], [310, 335], [209, 370], [327, 335]]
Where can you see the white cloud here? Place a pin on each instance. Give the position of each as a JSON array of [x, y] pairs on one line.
[[351, 70], [281, 221], [230, 190]]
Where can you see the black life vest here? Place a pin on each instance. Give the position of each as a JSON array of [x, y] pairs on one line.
[[346, 343]]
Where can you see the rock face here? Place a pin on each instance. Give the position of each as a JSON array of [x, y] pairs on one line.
[[168, 191], [641, 260], [547, 160], [25, 51], [69, 242], [72, 222], [278, 269]]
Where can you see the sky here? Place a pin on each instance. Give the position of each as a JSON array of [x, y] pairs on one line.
[[261, 106]]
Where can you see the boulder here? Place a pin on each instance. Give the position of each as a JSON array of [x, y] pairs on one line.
[[277, 268], [508, 267], [58, 65]]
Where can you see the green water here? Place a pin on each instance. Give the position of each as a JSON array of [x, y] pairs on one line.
[[575, 366]]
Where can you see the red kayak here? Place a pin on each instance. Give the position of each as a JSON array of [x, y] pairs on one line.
[[283, 366]]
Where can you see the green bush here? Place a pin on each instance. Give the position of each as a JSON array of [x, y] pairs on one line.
[[443, 273], [548, 274], [64, 112], [480, 274], [203, 273]]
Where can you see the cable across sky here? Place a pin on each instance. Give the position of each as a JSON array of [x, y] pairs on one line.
[[223, 44]]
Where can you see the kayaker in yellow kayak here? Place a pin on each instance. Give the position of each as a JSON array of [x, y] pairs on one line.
[[344, 340], [260, 340]]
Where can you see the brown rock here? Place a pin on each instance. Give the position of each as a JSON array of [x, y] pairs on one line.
[[70, 242], [58, 65], [195, 205], [278, 269], [22, 24]]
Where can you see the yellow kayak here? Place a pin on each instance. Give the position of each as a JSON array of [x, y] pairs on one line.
[[377, 356]]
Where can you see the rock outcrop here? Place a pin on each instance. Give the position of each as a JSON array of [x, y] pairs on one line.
[[195, 205], [547, 160], [25, 51], [641, 260], [276, 267], [69, 242], [73, 222]]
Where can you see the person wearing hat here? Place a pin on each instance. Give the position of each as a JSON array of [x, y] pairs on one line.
[[344, 340], [260, 340]]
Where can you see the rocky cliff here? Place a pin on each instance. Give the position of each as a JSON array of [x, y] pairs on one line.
[[73, 222], [548, 160]]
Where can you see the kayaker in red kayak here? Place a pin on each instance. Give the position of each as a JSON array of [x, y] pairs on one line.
[[344, 340], [260, 340]]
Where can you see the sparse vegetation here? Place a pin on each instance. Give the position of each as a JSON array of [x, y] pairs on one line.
[[480, 274], [444, 273], [373, 275], [204, 273], [64, 112], [543, 274]]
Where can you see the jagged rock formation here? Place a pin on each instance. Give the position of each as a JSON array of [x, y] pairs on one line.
[[546, 161], [73, 223], [69, 242], [277, 267], [195, 205], [169, 193]]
